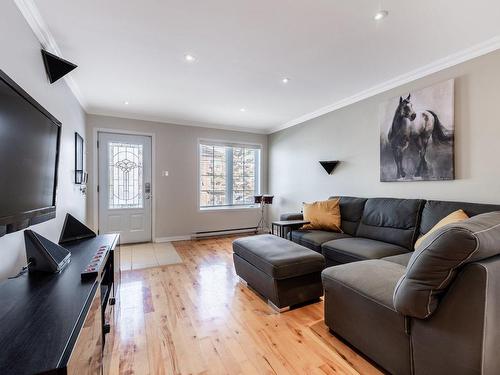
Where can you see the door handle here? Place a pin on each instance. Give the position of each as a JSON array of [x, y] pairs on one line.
[[147, 190]]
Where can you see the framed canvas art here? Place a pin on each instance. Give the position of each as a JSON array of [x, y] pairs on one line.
[[417, 135]]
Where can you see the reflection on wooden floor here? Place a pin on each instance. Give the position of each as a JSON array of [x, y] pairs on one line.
[[197, 318]]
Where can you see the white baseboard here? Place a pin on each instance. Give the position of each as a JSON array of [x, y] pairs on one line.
[[173, 238]]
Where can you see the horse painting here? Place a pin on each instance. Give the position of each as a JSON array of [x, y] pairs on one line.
[[420, 146]]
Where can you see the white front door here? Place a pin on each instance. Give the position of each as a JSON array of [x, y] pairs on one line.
[[125, 186]]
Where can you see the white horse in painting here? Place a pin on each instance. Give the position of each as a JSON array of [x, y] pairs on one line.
[[409, 127]]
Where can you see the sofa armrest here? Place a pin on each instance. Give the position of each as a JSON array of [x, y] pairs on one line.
[[292, 216], [462, 335]]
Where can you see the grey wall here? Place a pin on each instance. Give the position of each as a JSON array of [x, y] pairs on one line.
[[351, 135], [176, 196], [21, 60]]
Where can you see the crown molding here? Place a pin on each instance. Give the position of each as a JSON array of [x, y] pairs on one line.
[[32, 15], [470, 53], [176, 122]]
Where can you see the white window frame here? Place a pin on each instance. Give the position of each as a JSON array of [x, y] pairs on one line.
[[226, 143]]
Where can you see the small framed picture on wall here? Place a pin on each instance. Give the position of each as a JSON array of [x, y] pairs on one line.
[[79, 174]]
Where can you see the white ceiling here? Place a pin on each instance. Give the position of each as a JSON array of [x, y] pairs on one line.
[[332, 50]]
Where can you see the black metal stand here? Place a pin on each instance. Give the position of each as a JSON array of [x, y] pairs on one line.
[[262, 226]]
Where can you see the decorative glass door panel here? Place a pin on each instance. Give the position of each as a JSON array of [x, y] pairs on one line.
[[125, 175]]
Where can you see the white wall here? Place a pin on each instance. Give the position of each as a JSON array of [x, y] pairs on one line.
[[22, 61], [176, 196], [351, 135]]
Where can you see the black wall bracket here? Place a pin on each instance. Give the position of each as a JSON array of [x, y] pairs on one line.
[[329, 165]]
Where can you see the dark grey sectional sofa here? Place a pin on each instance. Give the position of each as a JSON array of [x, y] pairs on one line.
[[434, 311], [376, 228]]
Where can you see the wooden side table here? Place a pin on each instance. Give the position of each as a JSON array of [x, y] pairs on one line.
[[282, 225]]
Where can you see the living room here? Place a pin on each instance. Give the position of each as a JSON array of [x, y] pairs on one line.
[[253, 187]]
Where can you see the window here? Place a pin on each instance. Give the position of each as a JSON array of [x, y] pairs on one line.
[[229, 174]]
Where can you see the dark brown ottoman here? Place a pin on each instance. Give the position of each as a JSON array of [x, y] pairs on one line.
[[284, 272]]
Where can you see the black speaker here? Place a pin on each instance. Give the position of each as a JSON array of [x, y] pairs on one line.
[[55, 66], [44, 255], [74, 230]]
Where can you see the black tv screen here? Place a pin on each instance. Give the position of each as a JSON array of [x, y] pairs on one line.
[[29, 149]]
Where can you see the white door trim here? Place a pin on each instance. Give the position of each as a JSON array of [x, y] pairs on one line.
[[95, 173]]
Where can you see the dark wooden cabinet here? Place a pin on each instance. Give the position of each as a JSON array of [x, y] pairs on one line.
[[57, 323]]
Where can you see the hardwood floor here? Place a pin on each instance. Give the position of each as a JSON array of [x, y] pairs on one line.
[[197, 318]]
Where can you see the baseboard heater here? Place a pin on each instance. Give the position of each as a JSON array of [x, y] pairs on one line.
[[223, 232]]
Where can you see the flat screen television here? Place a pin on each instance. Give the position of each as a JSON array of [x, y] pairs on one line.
[[29, 158]]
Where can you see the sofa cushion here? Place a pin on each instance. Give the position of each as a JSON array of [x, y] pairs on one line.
[[433, 266], [375, 279], [391, 220], [313, 239], [351, 210], [358, 307], [277, 257], [401, 259], [435, 210], [353, 249]]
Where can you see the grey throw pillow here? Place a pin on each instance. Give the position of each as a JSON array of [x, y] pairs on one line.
[[433, 266]]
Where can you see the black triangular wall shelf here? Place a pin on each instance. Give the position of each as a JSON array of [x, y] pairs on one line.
[[329, 165], [55, 66]]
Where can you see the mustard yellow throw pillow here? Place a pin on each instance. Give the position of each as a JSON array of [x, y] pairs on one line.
[[454, 217], [323, 215]]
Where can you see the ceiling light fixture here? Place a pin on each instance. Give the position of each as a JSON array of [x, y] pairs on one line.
[[125, 102], [243, 110], [380, 15], [285, 80], [189, 58]]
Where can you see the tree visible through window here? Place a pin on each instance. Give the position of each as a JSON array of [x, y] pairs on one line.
[[229, 174]]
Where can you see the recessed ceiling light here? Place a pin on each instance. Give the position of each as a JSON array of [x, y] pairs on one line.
[[243, 110], [381, 14], [189, 58], [285, 80], [125, 102]]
